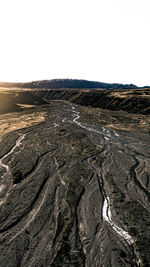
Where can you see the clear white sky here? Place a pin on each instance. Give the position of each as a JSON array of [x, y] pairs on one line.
[[103, 40]]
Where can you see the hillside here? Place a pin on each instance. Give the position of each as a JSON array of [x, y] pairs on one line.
[[67, 83], [129, 100]]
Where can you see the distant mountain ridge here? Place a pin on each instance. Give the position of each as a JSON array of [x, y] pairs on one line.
[[69, 83], [74, 83]]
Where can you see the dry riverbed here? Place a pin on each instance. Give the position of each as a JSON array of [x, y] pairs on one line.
[[74, 188]]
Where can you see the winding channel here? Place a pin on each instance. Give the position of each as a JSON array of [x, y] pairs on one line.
[[7, 172], [6, 175], [18, 143], [106, 212]]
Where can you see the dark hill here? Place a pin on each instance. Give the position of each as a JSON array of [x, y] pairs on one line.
[[71, 83], [68, 83]]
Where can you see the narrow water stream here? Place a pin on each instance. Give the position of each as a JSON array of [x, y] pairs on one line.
[[5, 182], [18, 143], [106, 212]]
